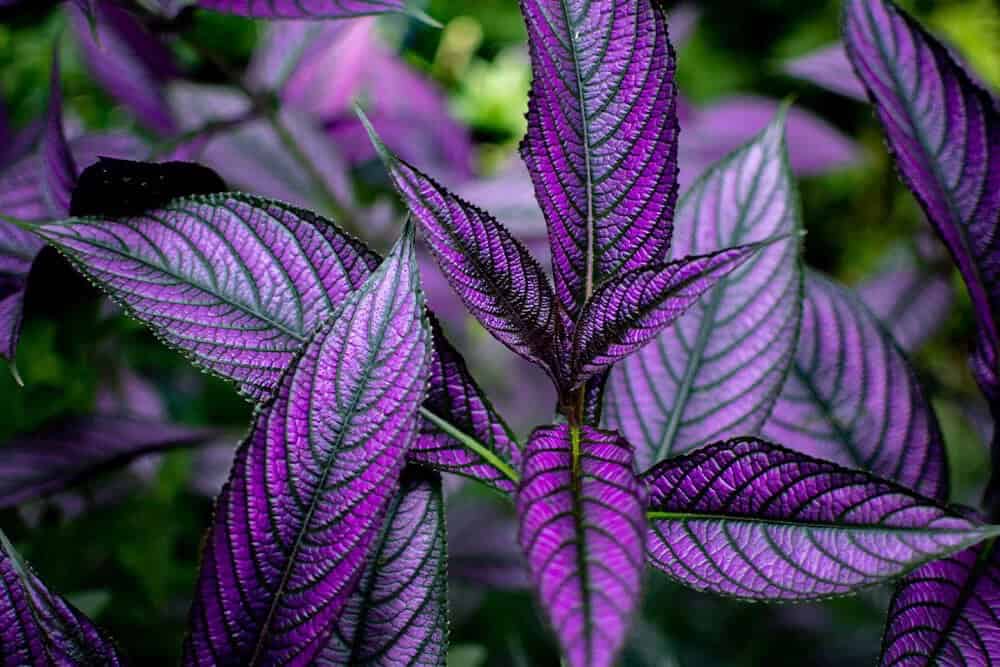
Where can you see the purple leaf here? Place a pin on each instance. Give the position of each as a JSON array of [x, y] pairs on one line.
[[482, 546], [828, 68], [127, 60], [814, 146], [602, 137], [304, 9], [851, 397], [582, 530], [399, 613], [716, 372], [58, 173], [64, 454], [494, 274], [18, 249], [39, 627], [629, 310], [944, 133], [233, 281], [490, 455], [911, 297], [312, 482], [947, 612], [753, 520]]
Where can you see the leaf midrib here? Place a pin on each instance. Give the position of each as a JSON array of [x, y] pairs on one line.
[[657, 515]]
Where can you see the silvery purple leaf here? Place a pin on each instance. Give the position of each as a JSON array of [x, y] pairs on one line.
[[602, 137], [828, 68], [629, 310], [127, 60], [494, 274], [851, 397], [64, 454], [471, 440], [910, 295], [231, 280], [944, 133], [58, 173], [583, 532], [313, 480], [752, 520], [716, 372], [399, 613], [304, 9], [39, 627], [947, 612]]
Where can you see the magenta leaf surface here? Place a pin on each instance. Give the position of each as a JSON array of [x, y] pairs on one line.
[[399, 613], [716, 371], [750, 519], [602, 137], [631, 309], [582, 530], [312, 482], [851, 397], [39, 627], [944, 133], [946, 612], [61, 455], [304, 9], [499, 281], [828, 68]]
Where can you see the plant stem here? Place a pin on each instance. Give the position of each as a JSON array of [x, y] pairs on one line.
[[472, 445]]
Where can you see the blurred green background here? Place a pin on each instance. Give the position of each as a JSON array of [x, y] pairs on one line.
[[133, 563]]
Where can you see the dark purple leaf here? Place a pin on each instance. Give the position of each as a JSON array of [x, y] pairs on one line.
[[494, 274], [716, 372], [629, 310], [911, 297], [18, 249], [127, 60], [39, 627], [582, 530], [399, 613], [829, 68], [851, 397], [482, 546], [304, 9], [753, 520], [602, 137], [58, 173], [944, 134], [61, 455], [947, 612], [312, 482]]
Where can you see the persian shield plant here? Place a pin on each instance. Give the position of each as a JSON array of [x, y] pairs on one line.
[[738, 422]]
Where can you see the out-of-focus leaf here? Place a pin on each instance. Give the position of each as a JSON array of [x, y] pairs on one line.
[[717, 371], [304, 9], [58, 168], [753, 520], [582, 530], [482, 546], [286, 551], [828, 68], [851, 397]]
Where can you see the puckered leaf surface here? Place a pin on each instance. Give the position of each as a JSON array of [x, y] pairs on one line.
[[399, 613], [583, 532], [39, 627], [753, 520], [851, 397], [716, 371], [944, 132], [602, 137], [312, 482], [947, 613], [61, 455]]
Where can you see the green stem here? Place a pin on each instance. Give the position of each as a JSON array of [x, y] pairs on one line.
[[473, 445]]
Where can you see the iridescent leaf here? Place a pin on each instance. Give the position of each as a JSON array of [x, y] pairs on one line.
[[852, 398], [39, 627], [399, 613], [304, 9], [947, 612], [717, 371], [582, 530], [313, 480], [943, 130], [602, 137], [61, 455], [753, 520]]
